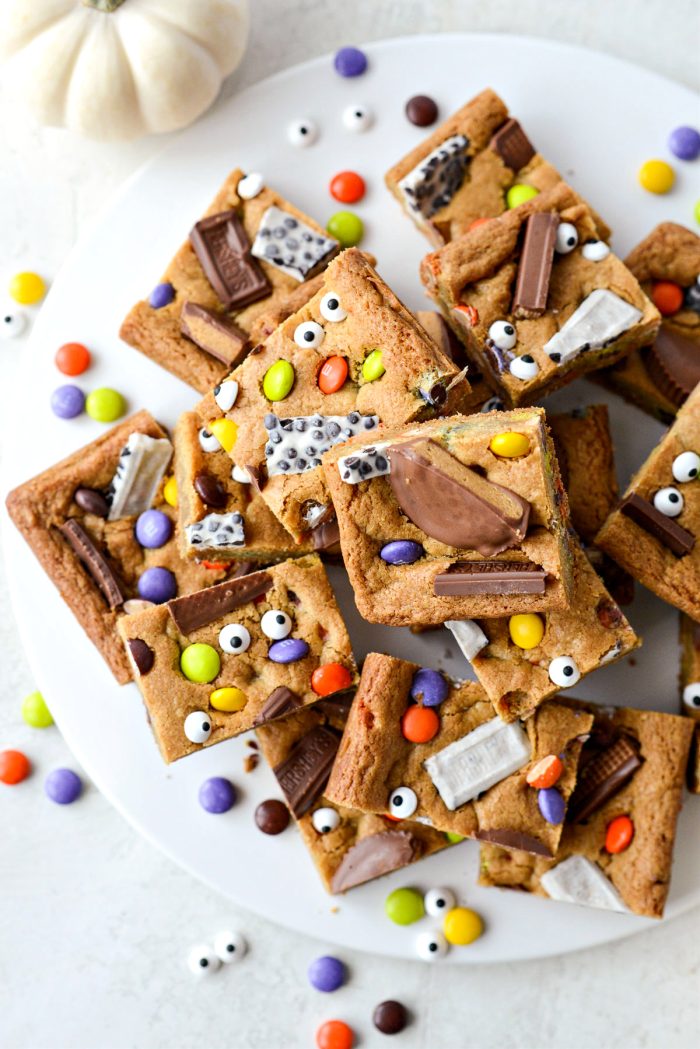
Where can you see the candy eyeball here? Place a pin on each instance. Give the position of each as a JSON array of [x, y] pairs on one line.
[[201, 960], [525, 367], [12, 324], [357, 118], [402, 803], [567, 238], [669, 501], [686, 467], [503, 335], [198, 726], [325, 820], [229, 946], [234, 638], [250, 185], [225, 394], [207, 441], [331, 310], [240, 475], [276, 624], [302, 133], [691, 696], [431, 945], [309, 334], [563, 671], [438, 902], [494, 404], [595, 250]]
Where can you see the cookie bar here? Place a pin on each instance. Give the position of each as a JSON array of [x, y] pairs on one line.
[[481, 397], [251, 250], [653, 532], [348, 847], [463, 171], [659, 378], [421, 747], [352, 357], [452, 519], [538, 298], [221, 661], [83, 518], [221, 514], [525, 660], [617, 845], [690, 692]]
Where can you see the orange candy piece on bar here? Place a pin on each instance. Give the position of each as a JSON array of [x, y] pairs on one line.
[[333, 373], [329, 678], [420, 724], [667, 297], [619, 834], [545, 773]]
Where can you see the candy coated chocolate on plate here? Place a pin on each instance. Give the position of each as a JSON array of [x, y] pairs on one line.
[[272, 816]]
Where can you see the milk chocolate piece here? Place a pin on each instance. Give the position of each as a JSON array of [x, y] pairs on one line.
[[214, 333], [677, 539], [97, 566], [372, 856], [535, 264], [281, 701], [303, 775], [338, 705], [439, 330], [452, 503], [142, 654], [512, 145], [513, 839], [673, 362], [465, 578], [210, 490], [91, 501], [325, 534], [602, 776], [223, 249], [205, 606]]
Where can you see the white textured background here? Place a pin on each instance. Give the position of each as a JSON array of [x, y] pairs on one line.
[[94, 922]]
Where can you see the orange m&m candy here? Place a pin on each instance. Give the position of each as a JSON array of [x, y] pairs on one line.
[[667, 297], [470, 312], [14, 767], [329, 678], [334, 1034], [545, 773], [348, 187], [216, 566], [420, 724], [333, 373], [619, 834], [72, 358], [476, 223]]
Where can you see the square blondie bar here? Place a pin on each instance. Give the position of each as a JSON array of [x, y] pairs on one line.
[[690, 692]]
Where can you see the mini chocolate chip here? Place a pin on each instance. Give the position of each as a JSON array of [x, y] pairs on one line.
[[272, 816], [142, 654], [210, 491], [91, 501]]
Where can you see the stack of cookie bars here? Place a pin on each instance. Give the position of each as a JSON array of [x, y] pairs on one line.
[[335, 424]]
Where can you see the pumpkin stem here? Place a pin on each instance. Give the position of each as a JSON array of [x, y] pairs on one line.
[[104, 5]]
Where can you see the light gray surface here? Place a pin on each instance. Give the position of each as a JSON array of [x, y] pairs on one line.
[[94, 922]]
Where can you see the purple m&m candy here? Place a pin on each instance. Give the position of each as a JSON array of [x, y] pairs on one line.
[[162, 295], [684, 143], [289, 650], [217, 795], [429, 687], [326, 973], [551, 805], [157, 585], [401, 552], [67, 401], [350, 61], [153, 529], [63, 786]]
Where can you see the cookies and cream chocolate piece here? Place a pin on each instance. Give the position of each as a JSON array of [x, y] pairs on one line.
[[690, 692], [365, 463], [468, 635], [217, 531], [297, 249], [297, 444], [600, 318], [467, 774], [578, 880], [431, 185], [140, 469]]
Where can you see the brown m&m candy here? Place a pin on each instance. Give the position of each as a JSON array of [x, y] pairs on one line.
[[272, 816], [421, 110], [390, 1017], [210, 490]]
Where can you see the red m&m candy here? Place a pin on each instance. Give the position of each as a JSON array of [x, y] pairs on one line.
[[333, 373], [329, 678], [348, 187], [14, 767], [72, 358]]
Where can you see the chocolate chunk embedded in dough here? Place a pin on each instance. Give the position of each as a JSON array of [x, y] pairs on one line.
[[97, 566], [223, 249], [303, 775], [512, 145], [490, 577], [373, 856], [197, 610], [535, 264], [677, 539]]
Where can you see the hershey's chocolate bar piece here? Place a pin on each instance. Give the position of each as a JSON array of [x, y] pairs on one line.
[[97, 566], [674, 364], [217, 335], [512, 145], [465, 578], [206, 606], [452, 503], [280, 701], [221, 244], [325, 534], [303, 775], [514, 839], [535, 264], [373, 856], [142, 654], [338, 705], [601, 777], [677, 539]]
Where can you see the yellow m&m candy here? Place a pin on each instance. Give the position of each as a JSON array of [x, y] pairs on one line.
[[510, 445], [526, 630], [27, 288], [462, 926], [170, 491], [657, 176], [225, 431], [228, 700]]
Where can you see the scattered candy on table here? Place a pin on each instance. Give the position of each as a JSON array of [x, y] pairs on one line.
[[27, 288], [230, 946], [162, 295], [684, 143], [696, 211], [431, 945], [67, 401], [105, 405], [347, 187], [302, 133], [63, 786], [422, 110], [12, 324], [201, 960], [357, 118], [350, 61], [72, 358], [462, 926], [346, 227], [438, 902], [217, 795], [14, 767], [656, 176], [390, 1017], [334, 1034], [520, 193], [157, 585], [326, 973], [35, 712], [404, 906], [272, 816]]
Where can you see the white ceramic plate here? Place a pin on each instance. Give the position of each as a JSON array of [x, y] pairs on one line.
[[597, 119]]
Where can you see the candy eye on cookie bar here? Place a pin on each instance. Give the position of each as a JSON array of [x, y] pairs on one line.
[[234, 638]]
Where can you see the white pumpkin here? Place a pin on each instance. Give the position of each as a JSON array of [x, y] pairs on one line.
[[117, 69]]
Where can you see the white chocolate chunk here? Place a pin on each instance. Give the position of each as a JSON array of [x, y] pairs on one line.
[[296, 444], [432, 184], [217, 531], [579, 880], [287, 243], [472, 764], [140, 470], [365, 463], [600, 318], [468, 635]]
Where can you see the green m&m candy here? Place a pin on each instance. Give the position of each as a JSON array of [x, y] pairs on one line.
[[519, 193], [346, 227], [35, 712], [105, 405], [452, 837], [278, 380], [200, 662], [404, 906], [372, 366]]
